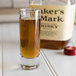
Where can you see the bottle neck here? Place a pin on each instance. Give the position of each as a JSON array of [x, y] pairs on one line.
[[69, 2], [38, 2]]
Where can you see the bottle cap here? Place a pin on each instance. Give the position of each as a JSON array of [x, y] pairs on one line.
[[70, 50]]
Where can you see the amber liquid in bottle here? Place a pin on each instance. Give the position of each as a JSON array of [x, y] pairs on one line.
[[50, 44], [29, 38]]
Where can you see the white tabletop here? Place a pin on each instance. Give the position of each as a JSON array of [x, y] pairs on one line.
[[11, 53], [52, 62]]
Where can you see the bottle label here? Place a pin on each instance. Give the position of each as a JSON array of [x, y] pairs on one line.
[[56, 21]]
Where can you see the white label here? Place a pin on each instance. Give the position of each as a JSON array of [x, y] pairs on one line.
[[56, 22]]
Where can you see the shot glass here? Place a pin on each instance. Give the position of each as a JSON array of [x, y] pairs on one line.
[[29, 38]]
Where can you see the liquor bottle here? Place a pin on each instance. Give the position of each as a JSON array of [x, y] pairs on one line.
[[57, 21]]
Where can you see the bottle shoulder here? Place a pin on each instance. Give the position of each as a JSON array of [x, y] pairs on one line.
[[52, 2], [57, 2]]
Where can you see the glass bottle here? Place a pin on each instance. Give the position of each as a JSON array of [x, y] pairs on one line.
[[57, 21]]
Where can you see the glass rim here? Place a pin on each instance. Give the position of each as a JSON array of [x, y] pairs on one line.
[[27, 8]]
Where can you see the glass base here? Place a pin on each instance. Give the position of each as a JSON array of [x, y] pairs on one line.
[[25, 67], [29, 63]]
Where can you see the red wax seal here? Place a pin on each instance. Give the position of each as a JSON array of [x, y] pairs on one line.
[[70, 50]]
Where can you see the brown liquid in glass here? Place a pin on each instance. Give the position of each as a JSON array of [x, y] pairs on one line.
[[30, 38]]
